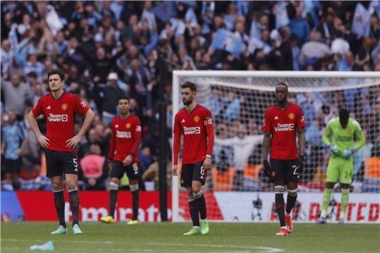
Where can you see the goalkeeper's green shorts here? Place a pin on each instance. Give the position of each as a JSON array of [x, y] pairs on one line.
[[340, 169]]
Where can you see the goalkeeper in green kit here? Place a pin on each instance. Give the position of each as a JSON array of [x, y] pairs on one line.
[[344, 137]]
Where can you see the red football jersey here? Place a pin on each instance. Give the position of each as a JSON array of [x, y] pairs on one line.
[[60, 118], [283, 125], [198, 134], [126, 138]]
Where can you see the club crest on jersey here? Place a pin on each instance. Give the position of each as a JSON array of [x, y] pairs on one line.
[[128, 125], [291, 116], [196, 118], [64, 106], [349, 131]]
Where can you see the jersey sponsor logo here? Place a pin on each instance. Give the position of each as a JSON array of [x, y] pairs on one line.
[[344, 138], [196, 118], [208, 121], [284, 127], [58, 117], [128, 125], [64, 106], [138, 128], [291, 116], [191, 130], [123, 134]]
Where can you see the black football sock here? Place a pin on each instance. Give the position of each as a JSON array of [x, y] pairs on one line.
[[193, 211], [59, 203], [113, 200], [280, 208], [291, 200], [201, 203], [135, 203], [74, 204]]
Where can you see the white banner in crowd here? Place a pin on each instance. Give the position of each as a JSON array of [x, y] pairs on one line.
[[250, 206]]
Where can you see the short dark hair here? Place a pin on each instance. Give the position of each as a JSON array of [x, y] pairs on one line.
[[124, 97], [56, 72], [344, 114], [190, 85]]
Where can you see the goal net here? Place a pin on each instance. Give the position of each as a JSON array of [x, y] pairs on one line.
[[238, 100]]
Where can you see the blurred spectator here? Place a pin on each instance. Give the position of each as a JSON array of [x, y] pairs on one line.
[[32, 65], [363, 58], [223, 154], [152, 175], [93, 170], [243, 146], [299, 26], [107, 98], [152, 140], [326, 27], [13, 144], [314, 48], [15, 95]]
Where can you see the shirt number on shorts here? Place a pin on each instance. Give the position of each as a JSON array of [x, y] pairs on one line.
[[202, 172], [135, 168], [295, 170], [75, 163]]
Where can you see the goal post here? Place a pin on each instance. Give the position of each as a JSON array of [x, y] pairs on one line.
[[253, 91]]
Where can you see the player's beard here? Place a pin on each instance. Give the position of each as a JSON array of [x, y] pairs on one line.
[[187, 102]]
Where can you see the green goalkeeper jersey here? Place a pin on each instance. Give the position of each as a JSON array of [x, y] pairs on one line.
[[344, 138]]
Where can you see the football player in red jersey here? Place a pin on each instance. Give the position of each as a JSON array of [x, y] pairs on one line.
[[59, 108], [194, 123], [283, 121], [122, 158]]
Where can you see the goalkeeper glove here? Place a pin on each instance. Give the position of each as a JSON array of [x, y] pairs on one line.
[[333, 149], [347, 153], [267, 169], [300, 164]]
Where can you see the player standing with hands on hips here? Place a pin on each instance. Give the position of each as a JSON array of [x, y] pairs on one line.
[[340, 135], [283, 121], [194, 123], [122, 158], [59, 108]]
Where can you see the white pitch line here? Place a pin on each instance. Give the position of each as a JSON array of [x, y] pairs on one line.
[[261, 248], [264, 249]]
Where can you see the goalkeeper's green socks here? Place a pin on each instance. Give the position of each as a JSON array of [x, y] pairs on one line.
[[344, 202], [325, 201]]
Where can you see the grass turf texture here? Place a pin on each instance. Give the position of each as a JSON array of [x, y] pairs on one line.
[[167, 237]]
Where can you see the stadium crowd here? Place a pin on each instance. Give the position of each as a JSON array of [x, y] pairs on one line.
[[112, 48]]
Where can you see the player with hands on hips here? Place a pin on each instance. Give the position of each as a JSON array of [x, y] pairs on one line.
[[282, 123], [343, 135], [59, 108], [194, 123]]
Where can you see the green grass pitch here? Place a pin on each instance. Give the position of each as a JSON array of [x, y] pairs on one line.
[[167, 237]]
